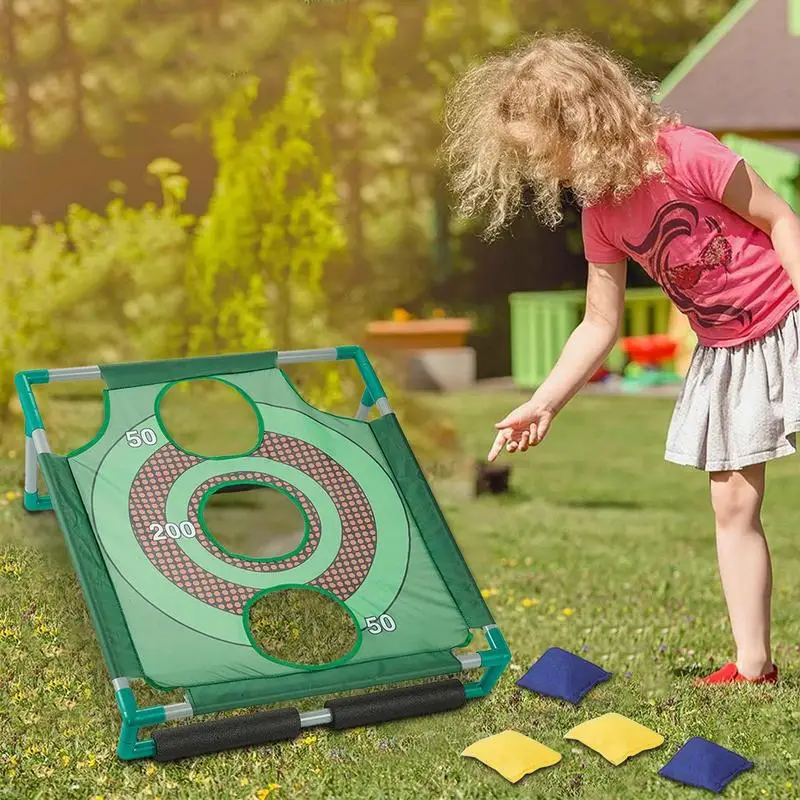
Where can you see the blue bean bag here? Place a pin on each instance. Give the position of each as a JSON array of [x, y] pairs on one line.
[[704, 764], [559, 673]]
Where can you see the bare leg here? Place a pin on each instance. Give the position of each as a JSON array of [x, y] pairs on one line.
[[744, 564]]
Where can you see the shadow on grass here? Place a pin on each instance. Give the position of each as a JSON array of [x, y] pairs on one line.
[[511, 496], [613, 505]]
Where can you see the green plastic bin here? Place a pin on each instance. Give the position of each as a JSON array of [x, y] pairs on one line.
[[541, 323]]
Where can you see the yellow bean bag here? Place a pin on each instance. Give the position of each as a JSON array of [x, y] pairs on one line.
[[615, 737], [512, 754]]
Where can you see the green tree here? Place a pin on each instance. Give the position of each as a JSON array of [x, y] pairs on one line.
[[261, 251], [93, 288], [91, 69]]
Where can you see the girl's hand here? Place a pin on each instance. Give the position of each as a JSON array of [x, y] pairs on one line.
[[524, 427]]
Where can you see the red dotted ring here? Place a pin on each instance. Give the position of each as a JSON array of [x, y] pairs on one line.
[[148, 503]]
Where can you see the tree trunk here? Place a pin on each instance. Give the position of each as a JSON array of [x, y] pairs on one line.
[[73, 62], [21, 105], [443, 260], [355, 181]]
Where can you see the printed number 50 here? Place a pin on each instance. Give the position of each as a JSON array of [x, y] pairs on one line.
[[144, 436], [382, 624]]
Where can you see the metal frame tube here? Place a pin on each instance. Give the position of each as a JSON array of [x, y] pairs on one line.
[[40, 441], [307, 356], [74, 374], [311, 719], [469, 661], [178, 711], [384, 406]]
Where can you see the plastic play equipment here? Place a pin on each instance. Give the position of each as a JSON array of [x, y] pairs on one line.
[[541, 323], [649, 351], [650, 361], [171, 606]]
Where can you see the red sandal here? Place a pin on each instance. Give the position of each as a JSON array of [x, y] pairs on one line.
[[730, 674]]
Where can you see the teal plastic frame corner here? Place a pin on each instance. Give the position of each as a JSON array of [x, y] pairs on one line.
[[129, 747], [24, 383], [494, 662], [374, 390]]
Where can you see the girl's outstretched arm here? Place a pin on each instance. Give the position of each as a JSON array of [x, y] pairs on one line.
[[749, 196], [592, 341], [585, 351]]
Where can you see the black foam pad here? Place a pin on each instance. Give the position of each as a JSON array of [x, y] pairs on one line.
[[414, 701], [201, 738]]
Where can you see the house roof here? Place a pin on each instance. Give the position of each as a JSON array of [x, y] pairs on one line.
[[743, 76]]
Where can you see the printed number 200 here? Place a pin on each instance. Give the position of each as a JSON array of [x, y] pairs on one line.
[[382, 624], [161, 532]]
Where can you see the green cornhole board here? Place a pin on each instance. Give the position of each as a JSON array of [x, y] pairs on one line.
[[170, 605]]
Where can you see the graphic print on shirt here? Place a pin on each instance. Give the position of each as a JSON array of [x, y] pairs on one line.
[[674, 220]]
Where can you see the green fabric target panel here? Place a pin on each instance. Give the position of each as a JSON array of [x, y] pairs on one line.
[[170, 603]]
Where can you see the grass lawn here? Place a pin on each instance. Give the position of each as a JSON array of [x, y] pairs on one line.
[[601, 548]]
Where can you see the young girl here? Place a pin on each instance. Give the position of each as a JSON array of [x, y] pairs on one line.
[[561, 112]]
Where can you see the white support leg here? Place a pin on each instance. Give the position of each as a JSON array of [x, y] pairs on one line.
[[31, 466]]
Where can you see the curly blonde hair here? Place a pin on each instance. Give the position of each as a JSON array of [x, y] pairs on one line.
[[557, 111]]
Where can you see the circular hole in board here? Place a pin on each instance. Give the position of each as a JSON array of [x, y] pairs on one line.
[[209, 418], [301, 626]]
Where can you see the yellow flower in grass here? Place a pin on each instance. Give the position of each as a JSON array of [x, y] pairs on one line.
[[567, 612], [150, 771], [487, 593], [244, 781], [311, 739], [43, 629], [11, 496], [263, 794], [8, 566], [528, 602]]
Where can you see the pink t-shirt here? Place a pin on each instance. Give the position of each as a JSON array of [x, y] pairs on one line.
[[718, 269]]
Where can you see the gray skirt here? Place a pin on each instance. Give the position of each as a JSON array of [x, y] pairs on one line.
[[740, 405]]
